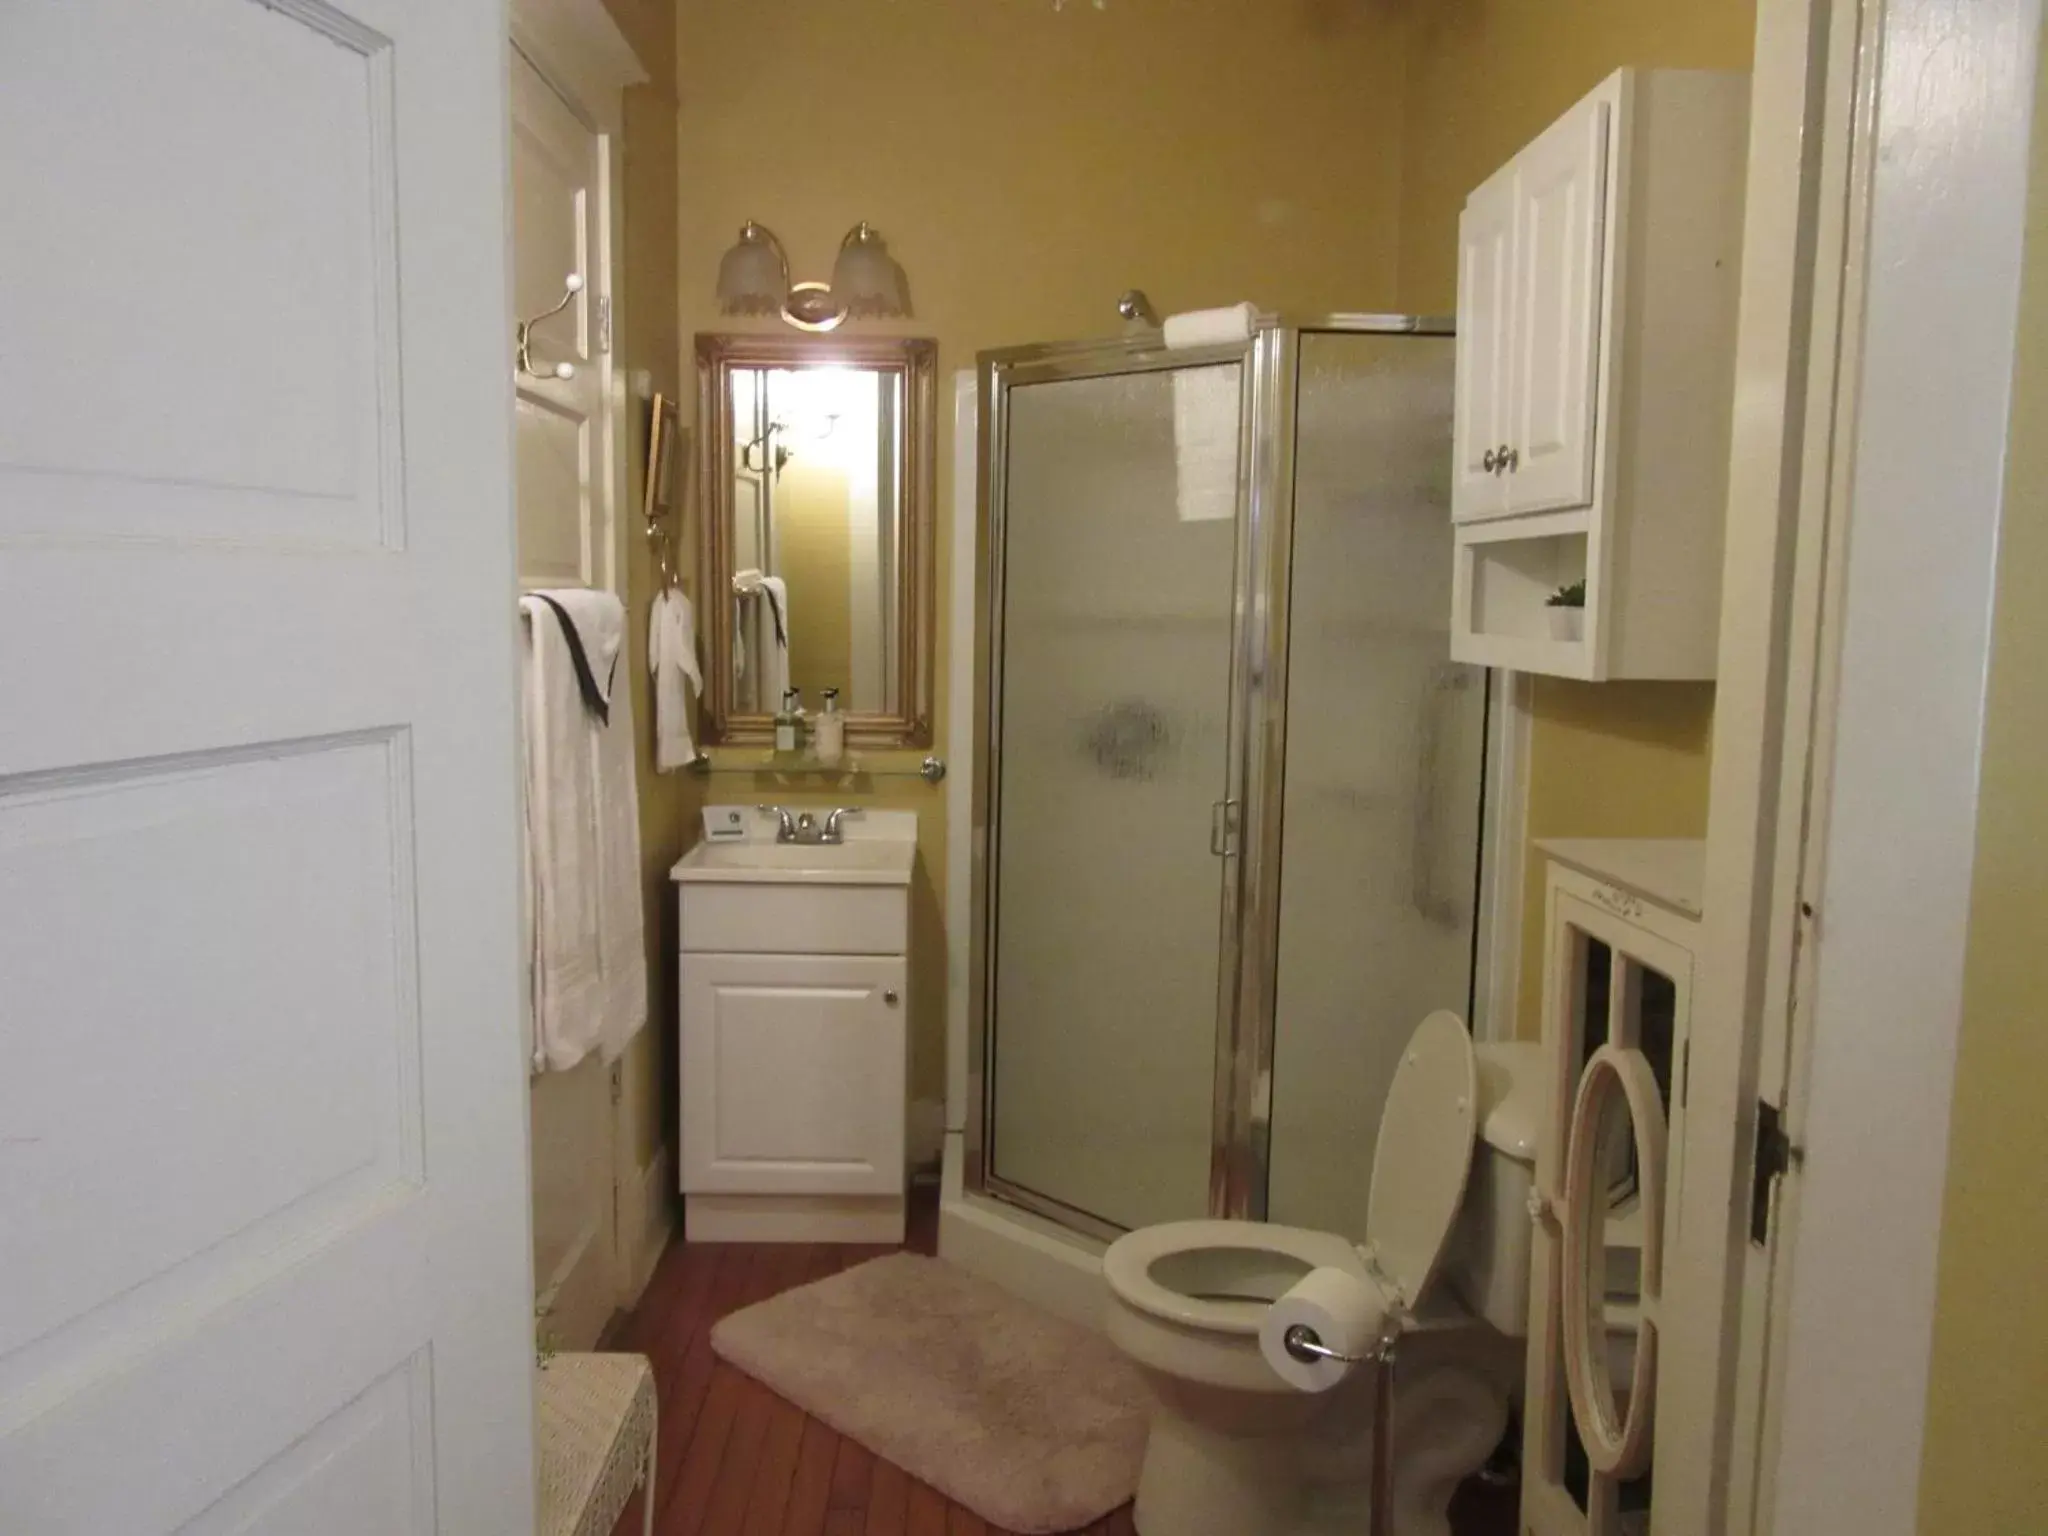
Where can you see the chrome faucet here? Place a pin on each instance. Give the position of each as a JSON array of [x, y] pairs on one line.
[[803, 827]]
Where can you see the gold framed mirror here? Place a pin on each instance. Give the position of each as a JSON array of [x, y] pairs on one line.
[[816, 484]]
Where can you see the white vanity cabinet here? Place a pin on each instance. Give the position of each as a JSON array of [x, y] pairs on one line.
[[1621, 948], [794, 984], [1597, 288]]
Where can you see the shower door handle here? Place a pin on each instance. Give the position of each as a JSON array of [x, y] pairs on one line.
[[1223, 828]]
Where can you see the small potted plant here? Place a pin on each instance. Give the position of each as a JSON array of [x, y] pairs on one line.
[[1567, 607]]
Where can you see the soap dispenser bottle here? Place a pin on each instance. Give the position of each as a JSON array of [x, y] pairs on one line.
[[786, 720], [828, 731]]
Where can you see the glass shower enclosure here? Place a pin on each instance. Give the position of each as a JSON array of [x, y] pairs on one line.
[[1229, 787]]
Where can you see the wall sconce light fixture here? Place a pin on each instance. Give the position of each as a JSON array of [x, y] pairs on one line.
[[753, 279]]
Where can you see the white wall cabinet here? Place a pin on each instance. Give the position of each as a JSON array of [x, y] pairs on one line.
[[1597, 288]]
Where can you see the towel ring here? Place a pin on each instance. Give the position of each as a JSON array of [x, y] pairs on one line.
[[523, 334]]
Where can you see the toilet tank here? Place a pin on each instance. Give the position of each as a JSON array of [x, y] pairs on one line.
[[1488, 1266]]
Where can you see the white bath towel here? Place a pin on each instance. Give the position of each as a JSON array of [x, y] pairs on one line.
[[589, 980], [770, 653], [672, 658]]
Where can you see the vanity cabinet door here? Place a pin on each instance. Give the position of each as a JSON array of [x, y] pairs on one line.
[[1485, 293], [793, 1074], [1560, 215]]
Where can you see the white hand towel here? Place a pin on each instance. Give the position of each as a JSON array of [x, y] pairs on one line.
[[672, 658], [589, 986]]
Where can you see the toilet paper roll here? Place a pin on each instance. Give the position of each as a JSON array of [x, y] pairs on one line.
[[1345, 1312]]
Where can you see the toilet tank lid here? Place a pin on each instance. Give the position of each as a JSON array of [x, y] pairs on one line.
[[1510, 1096]]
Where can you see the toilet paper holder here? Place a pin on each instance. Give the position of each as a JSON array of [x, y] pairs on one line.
[[1302, 1342]]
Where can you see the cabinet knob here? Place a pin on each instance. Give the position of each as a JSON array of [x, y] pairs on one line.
[[1490, 462], [1510, 459], [889, 997]]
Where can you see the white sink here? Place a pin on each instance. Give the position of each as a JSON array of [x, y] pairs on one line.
[[867, 861]]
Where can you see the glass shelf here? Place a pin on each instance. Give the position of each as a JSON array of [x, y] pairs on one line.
[[803, 764]]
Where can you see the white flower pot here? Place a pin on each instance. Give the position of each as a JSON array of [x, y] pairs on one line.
[[1567, 623]]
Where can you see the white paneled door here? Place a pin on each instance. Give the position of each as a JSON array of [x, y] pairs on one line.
[[565, 492], [263, 1207]]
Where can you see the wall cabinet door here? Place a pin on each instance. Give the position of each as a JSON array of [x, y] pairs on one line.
[[1485, 294], [1560, 206], [793, 1074]]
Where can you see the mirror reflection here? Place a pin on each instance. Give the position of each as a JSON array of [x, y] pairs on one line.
[[816, 530], [1614, 1299], [817, 507]]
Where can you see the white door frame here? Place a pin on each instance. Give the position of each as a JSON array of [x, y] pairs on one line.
[[1887, 184], [1949, 108]]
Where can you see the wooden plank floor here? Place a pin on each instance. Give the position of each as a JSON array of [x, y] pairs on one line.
[[737, 1460]]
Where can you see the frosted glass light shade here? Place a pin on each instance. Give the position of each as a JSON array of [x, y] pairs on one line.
[[865, 278], [753, 277]]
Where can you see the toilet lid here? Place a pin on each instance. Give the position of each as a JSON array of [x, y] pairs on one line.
[[1424, 1153]]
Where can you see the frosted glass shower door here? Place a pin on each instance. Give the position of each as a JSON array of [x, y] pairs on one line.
[[1118, 556], [1385, 755]]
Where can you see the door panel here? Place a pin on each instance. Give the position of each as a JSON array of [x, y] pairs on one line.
[[262, 1204], [1485, 321], [559, 215], [1560, 187], [793, 1074]]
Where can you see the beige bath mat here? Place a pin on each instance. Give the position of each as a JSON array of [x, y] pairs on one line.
[[1033, 1423]]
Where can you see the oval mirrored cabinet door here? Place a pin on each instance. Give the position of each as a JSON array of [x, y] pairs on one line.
[[1613, 1250]]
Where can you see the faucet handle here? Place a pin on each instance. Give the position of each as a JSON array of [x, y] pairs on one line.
[[834, 817], [785, 824]]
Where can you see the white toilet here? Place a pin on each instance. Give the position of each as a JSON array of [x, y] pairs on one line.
[[1234, 1450]]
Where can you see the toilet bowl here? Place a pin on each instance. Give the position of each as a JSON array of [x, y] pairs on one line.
[[1236, 1451]]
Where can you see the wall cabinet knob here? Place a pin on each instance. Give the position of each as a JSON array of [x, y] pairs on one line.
[[1510, 459], [889, 997], [1489, 461]]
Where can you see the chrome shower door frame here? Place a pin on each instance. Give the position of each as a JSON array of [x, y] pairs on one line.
[[1249, 912]]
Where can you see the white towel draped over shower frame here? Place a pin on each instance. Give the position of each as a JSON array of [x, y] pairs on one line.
[[588, 964], [769, 659]]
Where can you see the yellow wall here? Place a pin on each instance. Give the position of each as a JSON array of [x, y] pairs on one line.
[[1987, 1418], [1027, 165], [1607, 760], [814, 529]]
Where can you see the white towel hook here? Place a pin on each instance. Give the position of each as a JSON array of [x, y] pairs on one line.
[[523, 332]]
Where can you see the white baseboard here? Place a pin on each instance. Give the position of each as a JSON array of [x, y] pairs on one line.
[[794, 1218], [571, 1307]]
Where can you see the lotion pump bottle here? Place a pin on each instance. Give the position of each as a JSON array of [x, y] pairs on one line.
[[785, 720], [828, 731]]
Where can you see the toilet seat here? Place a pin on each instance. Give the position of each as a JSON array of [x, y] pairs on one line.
[[1220, 1276], [1131, 1263]]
